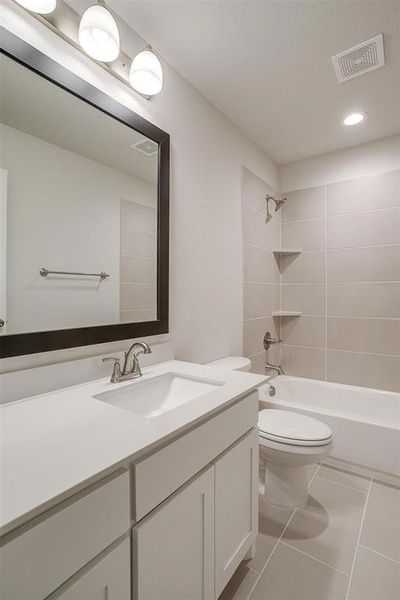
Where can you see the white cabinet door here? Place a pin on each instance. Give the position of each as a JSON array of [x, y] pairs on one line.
[[173, 547], [236, 507], [108, 579]]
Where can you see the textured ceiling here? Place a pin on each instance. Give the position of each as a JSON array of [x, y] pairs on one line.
[[266, 65]]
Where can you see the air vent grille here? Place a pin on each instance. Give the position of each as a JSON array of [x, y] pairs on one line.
[[360, 59], [147, 147]]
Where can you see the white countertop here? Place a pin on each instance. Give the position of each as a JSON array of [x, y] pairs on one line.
[[54, 444]]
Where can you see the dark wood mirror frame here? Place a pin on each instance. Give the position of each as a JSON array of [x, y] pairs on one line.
[[44, 341]]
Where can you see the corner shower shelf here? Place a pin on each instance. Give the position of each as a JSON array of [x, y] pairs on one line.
[[287, 251], [287, 313]]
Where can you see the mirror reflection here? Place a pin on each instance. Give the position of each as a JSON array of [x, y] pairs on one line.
[[78, 204]]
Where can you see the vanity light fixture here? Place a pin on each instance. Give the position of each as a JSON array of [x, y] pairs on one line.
[[145, 75], [98, 33], [354, 119], [42, 7]]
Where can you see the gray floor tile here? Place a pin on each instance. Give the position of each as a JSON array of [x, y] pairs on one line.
[[291, 575], [271, 523], [381, 529], [374, 577], [328, 526], [240, 584], [358, 482]]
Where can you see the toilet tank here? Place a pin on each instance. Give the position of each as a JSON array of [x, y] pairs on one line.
[[233, 363]]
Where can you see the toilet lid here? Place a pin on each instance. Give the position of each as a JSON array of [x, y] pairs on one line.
[[292, 428]]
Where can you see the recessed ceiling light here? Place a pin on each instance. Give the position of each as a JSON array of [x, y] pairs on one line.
[[354, 119]]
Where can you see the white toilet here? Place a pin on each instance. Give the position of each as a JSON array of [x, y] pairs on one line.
[[289, 442]]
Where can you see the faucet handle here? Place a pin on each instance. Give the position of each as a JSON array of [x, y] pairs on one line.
[[269, 341], [116, 374]]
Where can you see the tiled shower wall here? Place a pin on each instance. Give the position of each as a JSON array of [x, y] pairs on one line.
[[346, 281]]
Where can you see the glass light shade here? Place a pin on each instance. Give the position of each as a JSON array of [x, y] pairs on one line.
[[98, 34], [43, 7], [146, 74]]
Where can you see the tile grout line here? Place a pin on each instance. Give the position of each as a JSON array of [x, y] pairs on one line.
[[358, 539], [326, 282], [315, 558], [350, 487], [278, 540], [397, 562]]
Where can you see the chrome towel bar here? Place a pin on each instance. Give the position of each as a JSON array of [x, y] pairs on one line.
[[44, 272]]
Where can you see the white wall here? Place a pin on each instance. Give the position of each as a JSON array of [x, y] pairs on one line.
[[359, 161], [207, 153], [63, 214]]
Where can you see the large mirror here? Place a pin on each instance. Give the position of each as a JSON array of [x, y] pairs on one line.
[[84, 214]]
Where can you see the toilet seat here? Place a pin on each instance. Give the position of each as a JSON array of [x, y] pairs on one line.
[[292, 428]]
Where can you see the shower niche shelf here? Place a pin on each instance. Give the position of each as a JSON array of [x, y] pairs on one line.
[[288, 251], [287, 313]]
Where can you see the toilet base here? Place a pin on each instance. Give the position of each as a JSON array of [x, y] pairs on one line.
[[286, 486]]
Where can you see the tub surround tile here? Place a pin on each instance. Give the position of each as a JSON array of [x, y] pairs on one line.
[[134, 316], [304, 362], [365, 193], [304, 204], [365, 370], [303, 331], [375, 299], [137, 296], [380, 336], [374, 577], [308, 235], [137, 270], [290, 575], [379, 263], [258, 363], [138, 216], [309, 298], [381, 529], [138, 243], [254, 191], [260, 299], [259, 265], [364, 229], [308, 267], [253, 334], [327, 527]]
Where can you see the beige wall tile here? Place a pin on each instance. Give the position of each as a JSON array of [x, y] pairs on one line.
[[365, 193], [259, 265], [138, 216], [379, 263], [303, 331], [136, 243], [380, 336], [308, 267], [378, 299], [308, 298], [273, 228], [364, 229], [260, 299], [309, 235], [254, 227], [138, 270], [304, 362], [258, 363], [253, 334], [304, 204], [365, 370], [135, 296], [254, 191]]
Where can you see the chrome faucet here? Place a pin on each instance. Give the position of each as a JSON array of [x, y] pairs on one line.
[[134, 371], [277, 368], [269, 341]]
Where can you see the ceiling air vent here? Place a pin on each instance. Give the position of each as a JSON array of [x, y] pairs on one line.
[[360, 59]]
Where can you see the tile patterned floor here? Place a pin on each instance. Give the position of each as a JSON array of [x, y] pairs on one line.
[[344, 545]]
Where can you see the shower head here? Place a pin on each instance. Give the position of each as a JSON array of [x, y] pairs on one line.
[[279, 204]]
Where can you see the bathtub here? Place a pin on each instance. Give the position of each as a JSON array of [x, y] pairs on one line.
[[365, 422]]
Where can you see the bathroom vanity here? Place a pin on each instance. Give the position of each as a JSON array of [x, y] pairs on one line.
[[144, 489]]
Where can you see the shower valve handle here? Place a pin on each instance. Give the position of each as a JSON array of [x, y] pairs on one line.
[[270, 341]]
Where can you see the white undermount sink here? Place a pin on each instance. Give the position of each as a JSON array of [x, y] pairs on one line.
[[155, 396]]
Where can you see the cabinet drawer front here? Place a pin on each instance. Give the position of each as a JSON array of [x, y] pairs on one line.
[[40, 559], [159, 475]]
